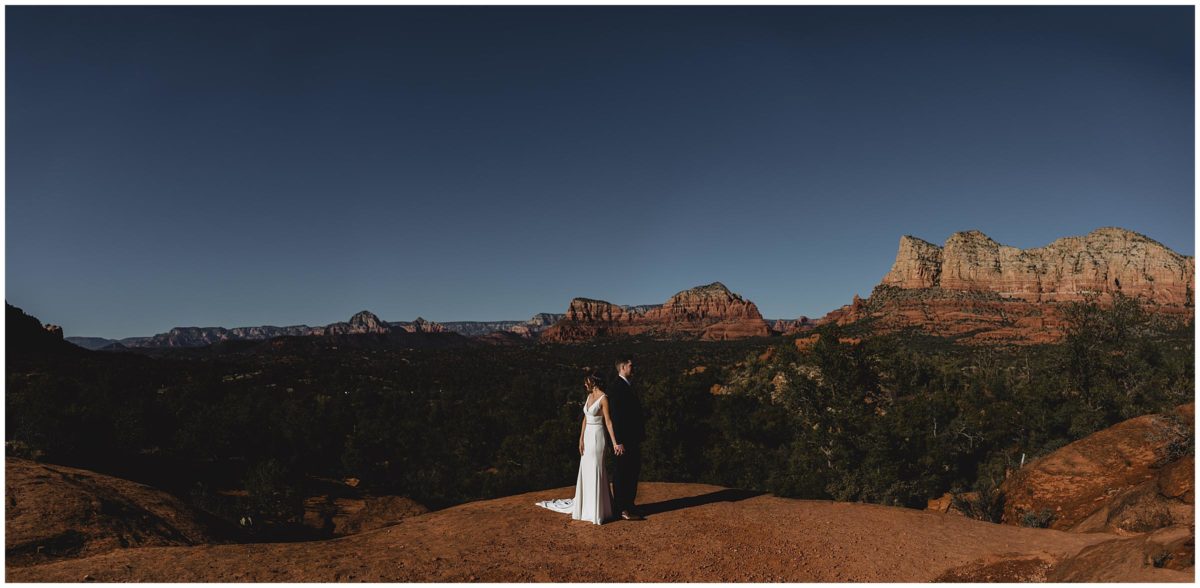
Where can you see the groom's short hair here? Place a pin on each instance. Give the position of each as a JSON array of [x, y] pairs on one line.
[[623, 359]]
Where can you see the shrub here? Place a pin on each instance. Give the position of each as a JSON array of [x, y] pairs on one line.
[[1037, 519]]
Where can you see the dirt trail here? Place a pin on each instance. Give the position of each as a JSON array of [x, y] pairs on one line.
[[693, 533]]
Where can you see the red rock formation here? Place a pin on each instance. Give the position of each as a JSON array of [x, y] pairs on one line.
[[1106, 260], [1132, 477], [708, 312], [806, 343], [790, 326], [362, 322], [420, 326], [918, 264], [979, 291], [56, 512]]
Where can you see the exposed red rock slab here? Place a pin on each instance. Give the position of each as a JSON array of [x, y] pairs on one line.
[[55, 511], [1114, 480], [693, 533]]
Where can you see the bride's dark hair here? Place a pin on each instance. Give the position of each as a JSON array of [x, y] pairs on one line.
[[593, 380]]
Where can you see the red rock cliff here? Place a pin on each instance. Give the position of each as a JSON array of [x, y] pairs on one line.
[[980, 291], [709, 312], [1106, 260]]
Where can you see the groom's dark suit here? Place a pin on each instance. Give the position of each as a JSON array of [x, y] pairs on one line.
[[629, 426]]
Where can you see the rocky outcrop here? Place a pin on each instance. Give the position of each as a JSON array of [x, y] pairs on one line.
[[55, 512], [1133, 477], [709, 312], [790, 326], [420, 326], [978, 291], [1104, 261], [806, 343], [361, 323], [528, 329], [25, 335], [918, 264]]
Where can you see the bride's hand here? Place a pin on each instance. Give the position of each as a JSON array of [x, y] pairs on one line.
[[581, 447]]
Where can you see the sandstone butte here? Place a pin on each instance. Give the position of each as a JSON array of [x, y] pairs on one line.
[[979, 291], [709, 313]]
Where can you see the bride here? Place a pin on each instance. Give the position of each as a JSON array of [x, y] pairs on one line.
[[593, 497]]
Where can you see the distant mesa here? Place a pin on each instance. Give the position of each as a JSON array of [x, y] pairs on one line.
[[362, 323], [527, 329], [420, 326], [709, 312], [978, 291]]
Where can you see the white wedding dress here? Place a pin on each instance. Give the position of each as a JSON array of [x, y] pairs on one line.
[[593, 497]]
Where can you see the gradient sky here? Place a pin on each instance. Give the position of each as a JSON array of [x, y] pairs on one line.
[[237, 166]]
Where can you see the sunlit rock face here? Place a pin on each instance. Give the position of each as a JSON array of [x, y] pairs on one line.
[[979, 291], [1106, 260], [709, 312]]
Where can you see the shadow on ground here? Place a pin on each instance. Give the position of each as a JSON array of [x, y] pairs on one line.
[[727, 495]]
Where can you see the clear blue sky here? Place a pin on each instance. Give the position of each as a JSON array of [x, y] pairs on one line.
[[236, 166]]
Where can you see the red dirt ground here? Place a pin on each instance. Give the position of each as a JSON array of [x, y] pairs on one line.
[[692, 533]]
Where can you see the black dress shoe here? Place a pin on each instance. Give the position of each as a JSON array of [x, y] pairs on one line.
[[632, 516]]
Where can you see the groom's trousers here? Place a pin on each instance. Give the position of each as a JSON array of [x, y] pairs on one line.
[[626, 469]]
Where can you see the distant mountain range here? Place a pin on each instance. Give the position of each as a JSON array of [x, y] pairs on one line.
[[363, 322], [972, 289]]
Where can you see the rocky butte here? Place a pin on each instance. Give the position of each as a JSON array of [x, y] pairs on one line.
[[709, 313], [979, 291]]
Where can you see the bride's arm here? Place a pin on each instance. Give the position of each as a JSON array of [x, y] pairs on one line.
[[582, 428], [608, 420]]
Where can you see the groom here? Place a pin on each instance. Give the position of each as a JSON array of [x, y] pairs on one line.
[[625, 408]]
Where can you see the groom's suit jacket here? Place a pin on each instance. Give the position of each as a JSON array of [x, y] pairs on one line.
[[625, 408]]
